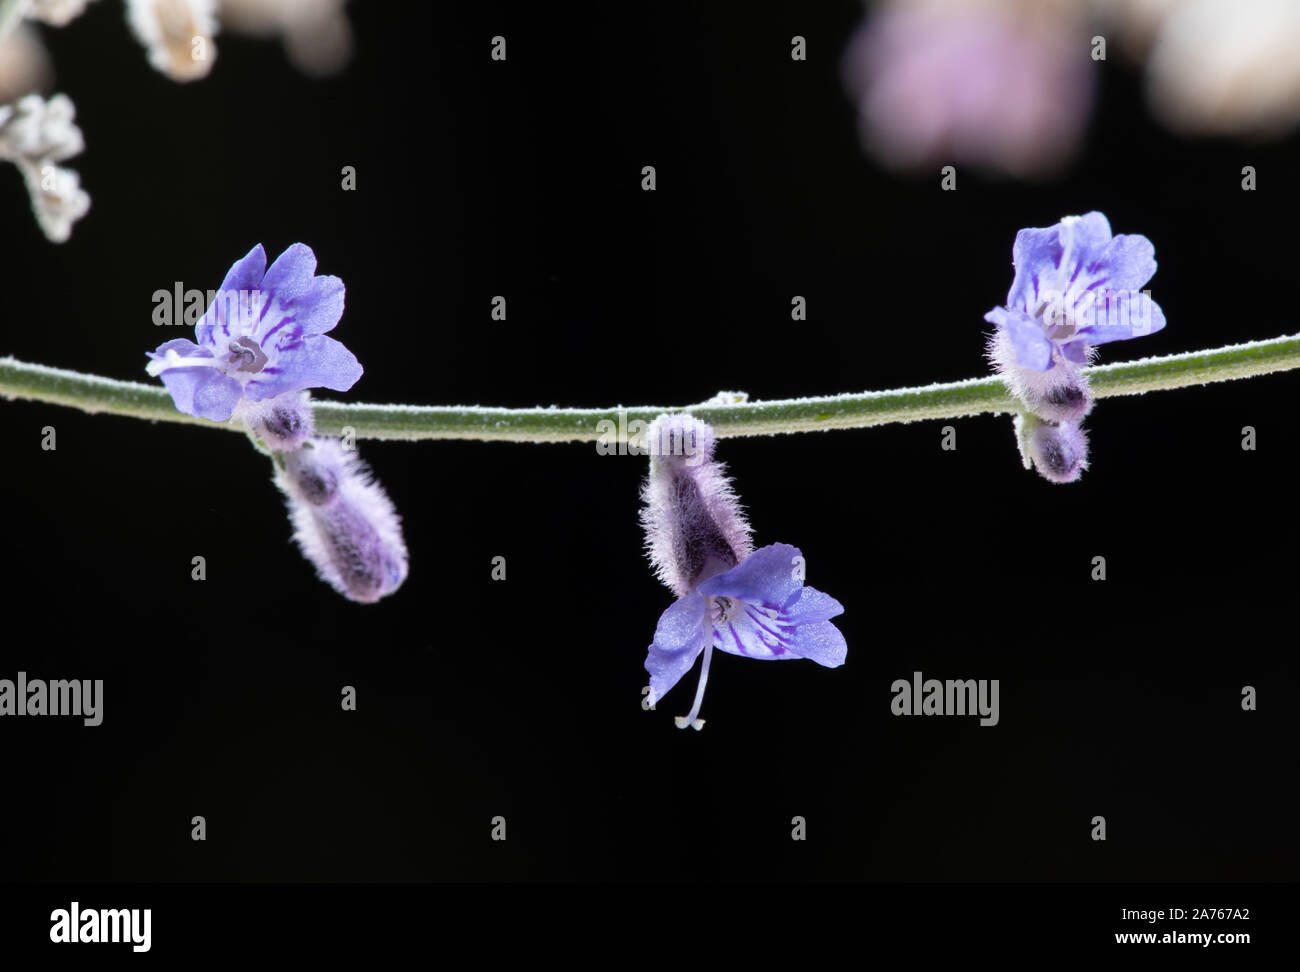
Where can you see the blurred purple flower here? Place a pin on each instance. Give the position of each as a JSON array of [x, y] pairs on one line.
[[263, 336], [1006, 85]]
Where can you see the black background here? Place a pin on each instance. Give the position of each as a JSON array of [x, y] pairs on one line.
[[521, 698]]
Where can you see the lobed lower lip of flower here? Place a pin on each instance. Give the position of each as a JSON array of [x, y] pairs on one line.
[[243, 354], [171, 359]]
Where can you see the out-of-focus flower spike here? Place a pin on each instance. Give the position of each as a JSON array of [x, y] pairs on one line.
[[56, 13], [177, 34], [317, 35], [999, 84], [58, 200], [35, 134]]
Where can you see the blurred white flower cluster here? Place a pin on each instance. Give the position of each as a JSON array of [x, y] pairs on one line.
[[35, 135], [177, 34], [178, 38], [1216, 67], [1008, 84], [316, 33], [56, 12]]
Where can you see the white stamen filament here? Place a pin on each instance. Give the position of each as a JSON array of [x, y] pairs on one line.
[[171, 359], [691, 720]]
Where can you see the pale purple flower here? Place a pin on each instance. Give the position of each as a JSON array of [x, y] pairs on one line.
[[262, 337], [1076, 286], [1005, 85], [344, 522], [758, 609], [752, 604]]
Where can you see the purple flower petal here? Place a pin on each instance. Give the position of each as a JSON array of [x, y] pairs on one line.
[[812, 606], [1128, 262], [1033, 349], [1038, 253], [754, 632], [1034, 254], [1076, 352], [821, 642], [1131, 315], [319, 306], [246, 273], [319, 362], [202, 392], [1091, 235], [766, 577], [680, 636], [183, 347], [291, 273]]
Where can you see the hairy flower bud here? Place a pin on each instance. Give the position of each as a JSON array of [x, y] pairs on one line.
[[284, 423], [1058, 452], [694, 527], [344, 522]]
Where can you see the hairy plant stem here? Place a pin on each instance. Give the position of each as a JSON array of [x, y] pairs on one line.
[[729, 415]]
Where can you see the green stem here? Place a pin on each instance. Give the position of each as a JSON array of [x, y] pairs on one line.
[[975, 396]]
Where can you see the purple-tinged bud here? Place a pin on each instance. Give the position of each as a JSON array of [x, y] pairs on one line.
[[284, 422], [694, 527], [343, 521], [1058, 452], [1059, 394]]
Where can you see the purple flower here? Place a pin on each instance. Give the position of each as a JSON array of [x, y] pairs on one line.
[[262, 337], [758, 609], [1075, 286], [750, 604]]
